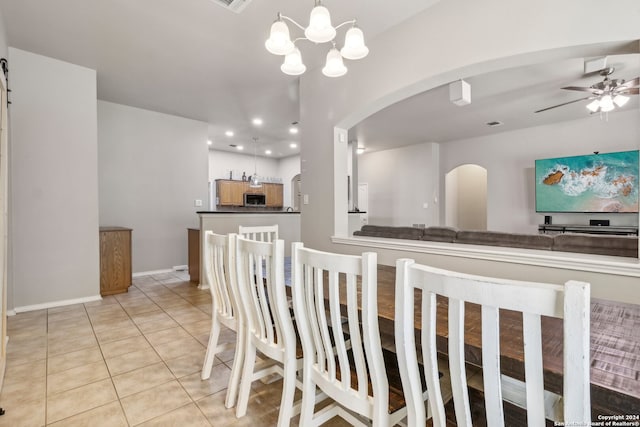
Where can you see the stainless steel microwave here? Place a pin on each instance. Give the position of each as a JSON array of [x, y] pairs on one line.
[[254, 199]]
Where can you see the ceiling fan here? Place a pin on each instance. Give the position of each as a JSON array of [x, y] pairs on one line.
[[606, 95]]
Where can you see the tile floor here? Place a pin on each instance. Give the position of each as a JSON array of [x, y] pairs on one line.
[[132, 359]]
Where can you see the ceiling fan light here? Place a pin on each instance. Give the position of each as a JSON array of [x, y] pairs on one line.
[[279, 41], [354, 47], [606, 104], [620, 100], [334, 67], [593, 105], [320, 29], [293, 65]]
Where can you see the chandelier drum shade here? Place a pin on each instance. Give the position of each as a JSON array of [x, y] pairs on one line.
[[320, 30]]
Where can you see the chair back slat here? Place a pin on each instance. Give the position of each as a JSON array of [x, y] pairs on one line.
[[263, 233], [491, 365], [310, 307], [456, 362], [570, 301], [323, 326], [336, 327], [355, 334], [534, 384], [577, 386]]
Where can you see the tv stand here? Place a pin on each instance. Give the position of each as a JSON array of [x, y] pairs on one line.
[[627, 230]]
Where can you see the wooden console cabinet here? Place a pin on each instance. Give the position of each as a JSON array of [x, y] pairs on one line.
[[193, 254], [587, 229], [115, 260]]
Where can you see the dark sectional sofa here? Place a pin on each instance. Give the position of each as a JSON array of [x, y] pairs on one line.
[[626, 246]]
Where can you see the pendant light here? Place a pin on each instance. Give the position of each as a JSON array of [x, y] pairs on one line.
[[254, 182]]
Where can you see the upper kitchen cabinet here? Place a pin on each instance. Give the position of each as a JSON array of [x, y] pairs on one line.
[[273, 192], [232, 193]]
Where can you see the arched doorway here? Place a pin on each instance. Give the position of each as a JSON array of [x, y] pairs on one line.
[[466, 197]]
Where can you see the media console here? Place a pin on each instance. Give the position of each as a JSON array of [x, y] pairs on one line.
[[588, 229]]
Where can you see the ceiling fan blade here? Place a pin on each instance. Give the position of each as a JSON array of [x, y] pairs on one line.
[[564, 103], [579, 88], [631, 91], [631, 83]]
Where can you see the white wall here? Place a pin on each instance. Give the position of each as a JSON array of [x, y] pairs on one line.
[[4, 47], [54, 180], [401, 181], [222, 162], [152, 168], [509, 158]]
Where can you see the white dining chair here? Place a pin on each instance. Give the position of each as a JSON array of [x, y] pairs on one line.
[[262, 233], [219, 256], [269, 327], [534, 300], [343, 357]]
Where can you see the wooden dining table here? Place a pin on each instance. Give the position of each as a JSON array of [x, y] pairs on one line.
[[615, 346]]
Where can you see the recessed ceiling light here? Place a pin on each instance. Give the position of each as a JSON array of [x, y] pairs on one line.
[[293, 145], [293, 130], [209, 142], [229, 133], [267, 152], [257, 121], [239, 147]]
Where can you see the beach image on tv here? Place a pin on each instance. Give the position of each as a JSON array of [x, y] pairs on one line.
[[593, 183]]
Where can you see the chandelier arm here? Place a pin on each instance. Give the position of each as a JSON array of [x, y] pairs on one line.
[[292, 21], [299, 38], [353, 21]]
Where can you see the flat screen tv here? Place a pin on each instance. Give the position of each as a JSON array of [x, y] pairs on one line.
[[592, 183]]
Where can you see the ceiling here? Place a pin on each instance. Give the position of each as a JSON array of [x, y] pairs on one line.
[[510, 96], [196, 59]]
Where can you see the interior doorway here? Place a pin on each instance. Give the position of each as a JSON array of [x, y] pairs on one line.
[[296, 192], [466, 197]]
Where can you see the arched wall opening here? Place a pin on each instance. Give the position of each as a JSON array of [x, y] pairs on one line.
[[466, 197]]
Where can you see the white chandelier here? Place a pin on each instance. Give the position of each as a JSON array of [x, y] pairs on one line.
[[319, 30]]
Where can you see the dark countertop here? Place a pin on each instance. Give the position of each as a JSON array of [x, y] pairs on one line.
[[246, 212], [259, 212]]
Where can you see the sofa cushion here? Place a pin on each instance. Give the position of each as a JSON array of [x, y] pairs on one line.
[[597, 244], [440, 234], [512, 240], [410, 233]]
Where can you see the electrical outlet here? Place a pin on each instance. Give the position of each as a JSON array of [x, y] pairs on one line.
[[197, 203]]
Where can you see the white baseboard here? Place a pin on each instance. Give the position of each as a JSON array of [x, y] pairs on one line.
[[53, 304], [180, 267], [147, 273]]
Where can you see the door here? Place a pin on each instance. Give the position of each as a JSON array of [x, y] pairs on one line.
[[4, 165], [363, 202]]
